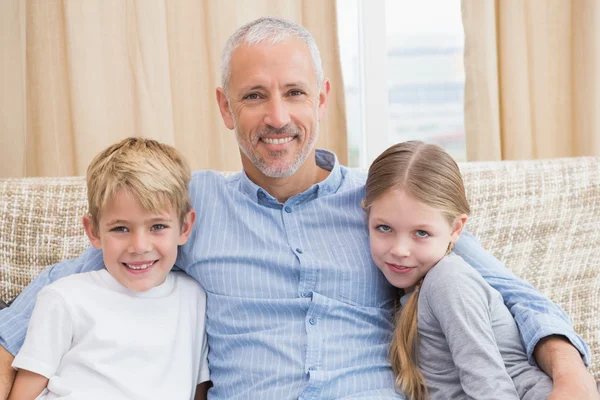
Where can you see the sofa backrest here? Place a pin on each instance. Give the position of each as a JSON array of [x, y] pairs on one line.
[[541, 218]]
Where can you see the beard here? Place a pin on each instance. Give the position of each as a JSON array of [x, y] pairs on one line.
[[269, 167]]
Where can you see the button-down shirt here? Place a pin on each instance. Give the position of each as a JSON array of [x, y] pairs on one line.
[[296, 308]]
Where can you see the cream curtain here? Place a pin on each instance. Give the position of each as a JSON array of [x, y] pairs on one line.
[[76, 76], [532, 78]]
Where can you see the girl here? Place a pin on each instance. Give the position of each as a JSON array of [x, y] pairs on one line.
[[454, 337]]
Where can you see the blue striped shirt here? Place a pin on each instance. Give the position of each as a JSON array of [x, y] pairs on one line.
[[296, 307]]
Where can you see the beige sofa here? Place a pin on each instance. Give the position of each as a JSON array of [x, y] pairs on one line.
[[542, 218]]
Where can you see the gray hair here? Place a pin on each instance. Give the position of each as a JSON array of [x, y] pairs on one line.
[[272, 30]]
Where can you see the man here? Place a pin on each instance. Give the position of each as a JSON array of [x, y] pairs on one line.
[[296, 307]]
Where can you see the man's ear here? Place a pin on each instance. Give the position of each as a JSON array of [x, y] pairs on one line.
[[224, 108], [186, 227], [91, 232], [457, 227], [324, 98]]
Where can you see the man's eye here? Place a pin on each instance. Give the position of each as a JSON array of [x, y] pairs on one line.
[[252, 96], [296, 93], [421, 234], [383, 228]]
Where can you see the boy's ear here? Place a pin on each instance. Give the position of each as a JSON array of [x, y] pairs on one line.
[[91, 232], [186, 227], [457, 227]]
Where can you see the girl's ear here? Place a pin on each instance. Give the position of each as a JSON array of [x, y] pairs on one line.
[[186, 227], [457, 227], [91, 232]]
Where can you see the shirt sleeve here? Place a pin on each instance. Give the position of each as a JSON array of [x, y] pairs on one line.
[[536, 316], [203, 372], [49, 335], [14, 319], [460, 302]]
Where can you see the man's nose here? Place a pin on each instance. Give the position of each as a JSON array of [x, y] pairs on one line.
[[277, 114], [139, 243]]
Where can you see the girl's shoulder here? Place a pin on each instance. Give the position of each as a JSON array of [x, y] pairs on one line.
[[451, 273]]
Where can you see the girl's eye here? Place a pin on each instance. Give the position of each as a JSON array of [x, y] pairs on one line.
[[421, 234], [383, 228], [158, 227]]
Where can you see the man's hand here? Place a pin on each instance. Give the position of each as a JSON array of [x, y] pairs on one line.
[[562, 362], [7, 373]]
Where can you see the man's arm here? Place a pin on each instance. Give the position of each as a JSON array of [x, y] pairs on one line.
[[7, 373], [559, 359]]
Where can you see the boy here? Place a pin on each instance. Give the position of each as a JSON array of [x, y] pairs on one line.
[[132, 330]]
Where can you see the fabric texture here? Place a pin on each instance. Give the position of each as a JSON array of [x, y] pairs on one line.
[[335, 303], [77, 76], [469, 344], [531, 88], [141, 345]]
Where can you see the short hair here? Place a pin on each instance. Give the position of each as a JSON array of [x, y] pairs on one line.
[[272, 30], [154, 173]]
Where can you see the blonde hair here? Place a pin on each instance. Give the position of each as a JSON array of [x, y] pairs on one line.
[[154, 173], [430, 175]]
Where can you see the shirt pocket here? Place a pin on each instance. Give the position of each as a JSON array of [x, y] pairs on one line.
[[360, 282]]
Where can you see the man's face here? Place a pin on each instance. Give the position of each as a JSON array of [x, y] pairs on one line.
[[274, 106]]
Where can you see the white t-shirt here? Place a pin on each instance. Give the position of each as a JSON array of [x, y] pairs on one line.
[[95, 339]]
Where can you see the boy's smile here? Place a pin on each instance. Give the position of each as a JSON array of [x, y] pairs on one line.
[[139, 246]]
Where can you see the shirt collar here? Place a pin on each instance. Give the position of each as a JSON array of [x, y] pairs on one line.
[[325, 159]]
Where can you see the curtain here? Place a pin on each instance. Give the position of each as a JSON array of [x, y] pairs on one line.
[[76, 76], [532, 84]]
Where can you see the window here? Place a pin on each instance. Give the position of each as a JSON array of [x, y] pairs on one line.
[[402, 62]]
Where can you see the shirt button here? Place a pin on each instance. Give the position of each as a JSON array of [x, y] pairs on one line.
[[305, 294], [312, 321], [299, 251], [288, 209]]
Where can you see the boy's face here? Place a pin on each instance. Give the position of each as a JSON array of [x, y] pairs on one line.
[[139, 247]]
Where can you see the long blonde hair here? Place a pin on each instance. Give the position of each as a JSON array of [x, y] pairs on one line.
[[430, 175]]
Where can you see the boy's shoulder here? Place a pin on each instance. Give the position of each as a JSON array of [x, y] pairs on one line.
[[186, 283], [71, 287], [75, 281]]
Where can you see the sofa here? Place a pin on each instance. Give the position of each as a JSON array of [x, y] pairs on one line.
[[541, 218]]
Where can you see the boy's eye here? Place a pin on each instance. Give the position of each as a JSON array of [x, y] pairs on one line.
[[158, 227], [119, 229], [421, 234], [383, 228]]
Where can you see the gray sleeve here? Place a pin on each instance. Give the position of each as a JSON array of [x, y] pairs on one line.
[[458, 297]]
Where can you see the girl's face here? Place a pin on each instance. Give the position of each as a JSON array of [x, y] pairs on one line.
[[408, 237]]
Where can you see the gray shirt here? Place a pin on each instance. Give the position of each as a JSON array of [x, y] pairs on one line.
[[469, 344]]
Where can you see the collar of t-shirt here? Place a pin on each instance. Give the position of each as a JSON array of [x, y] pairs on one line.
[[110, 282]]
